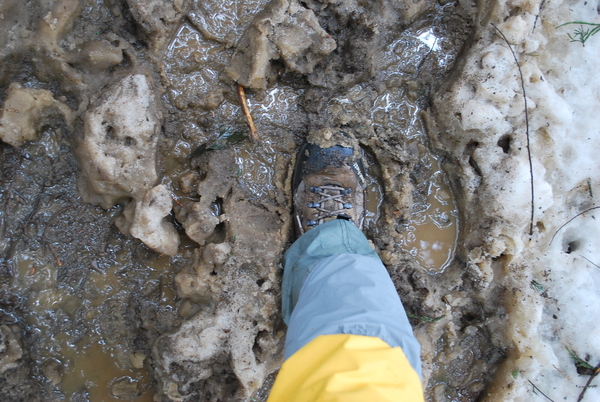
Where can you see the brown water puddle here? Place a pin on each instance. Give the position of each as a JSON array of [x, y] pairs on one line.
[[430, 234], [88, 365], [432, 231], [94, 368]]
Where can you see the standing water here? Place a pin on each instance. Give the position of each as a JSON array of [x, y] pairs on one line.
[[86, 304]]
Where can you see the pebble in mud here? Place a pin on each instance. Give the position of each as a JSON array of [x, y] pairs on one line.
[[98, 55], [216, 254], [53, 370], [26, 111], [10, 348], [125, 388]]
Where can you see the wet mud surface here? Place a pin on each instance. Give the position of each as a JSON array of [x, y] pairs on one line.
[[129, 269]]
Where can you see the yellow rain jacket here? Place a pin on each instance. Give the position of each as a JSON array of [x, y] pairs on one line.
[[347, 368]]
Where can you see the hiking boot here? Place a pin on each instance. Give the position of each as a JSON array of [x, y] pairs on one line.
[[329, 183]]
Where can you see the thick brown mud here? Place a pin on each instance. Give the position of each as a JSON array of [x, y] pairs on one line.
[[131, 270]]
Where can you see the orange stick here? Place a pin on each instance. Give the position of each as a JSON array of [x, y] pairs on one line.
[[244, 104]]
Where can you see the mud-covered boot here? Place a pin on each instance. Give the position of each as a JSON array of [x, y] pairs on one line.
[[329, 183]]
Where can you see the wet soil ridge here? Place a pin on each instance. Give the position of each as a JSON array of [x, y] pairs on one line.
[[118, 244]]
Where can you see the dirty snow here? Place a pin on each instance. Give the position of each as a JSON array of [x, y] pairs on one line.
[[553, 276]]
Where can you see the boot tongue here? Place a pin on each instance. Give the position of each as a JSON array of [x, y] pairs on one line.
[[320, 159]]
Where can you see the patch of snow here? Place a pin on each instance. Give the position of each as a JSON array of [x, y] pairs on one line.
[[553, 278]]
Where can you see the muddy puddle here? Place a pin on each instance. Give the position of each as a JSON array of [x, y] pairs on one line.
[[432, 230], [99, 304], [74, 286], [91, 361]]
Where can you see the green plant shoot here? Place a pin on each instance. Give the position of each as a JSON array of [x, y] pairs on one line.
[[582, 34]]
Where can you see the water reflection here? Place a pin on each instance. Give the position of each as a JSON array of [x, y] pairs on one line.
[[432, 232], [255, 169], [429, 39]]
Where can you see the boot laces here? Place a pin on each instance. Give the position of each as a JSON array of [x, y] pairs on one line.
[[331, 202]]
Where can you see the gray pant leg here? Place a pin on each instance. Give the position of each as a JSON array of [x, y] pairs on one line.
[[335, 283]]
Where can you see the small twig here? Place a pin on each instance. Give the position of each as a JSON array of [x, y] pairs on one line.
[[563, 374], [570, 220], [36, 205], [526, 126], [538, 15], [58, 262], [242, 98], [540, 391], [10, 110], [589, 381], [425, 57], [445, 300], [21, 196], [591, 262], [43, 238]]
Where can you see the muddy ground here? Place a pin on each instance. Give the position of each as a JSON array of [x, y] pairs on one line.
[[130, 269]]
